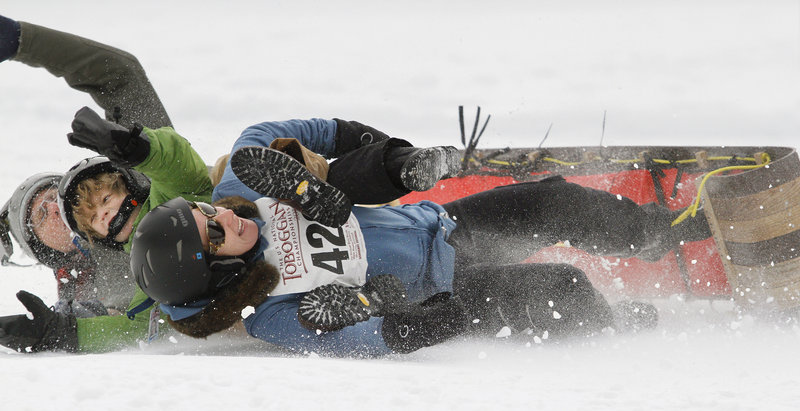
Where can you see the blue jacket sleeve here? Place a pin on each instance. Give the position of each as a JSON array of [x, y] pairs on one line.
[[315, 134], [275, 321]]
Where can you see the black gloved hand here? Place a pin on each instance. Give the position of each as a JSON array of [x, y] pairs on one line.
[[124, 147], [47, 331], [431, 322], [351, 135]]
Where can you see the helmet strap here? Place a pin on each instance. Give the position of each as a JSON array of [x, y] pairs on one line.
[[124, 213], [226, 268]]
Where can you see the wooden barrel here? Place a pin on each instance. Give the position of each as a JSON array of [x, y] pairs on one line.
[[755, 219]]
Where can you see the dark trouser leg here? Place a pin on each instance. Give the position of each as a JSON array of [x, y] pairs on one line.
[[113, 77], [362, 176], [509, 223], [556, 298]]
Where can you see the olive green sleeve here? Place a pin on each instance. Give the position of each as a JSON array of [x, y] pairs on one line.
[[113, 77]]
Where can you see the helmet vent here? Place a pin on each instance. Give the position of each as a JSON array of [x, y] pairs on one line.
[[147, 269], [179, 249]]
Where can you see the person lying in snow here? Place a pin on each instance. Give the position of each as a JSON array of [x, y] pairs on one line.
[[100, 70], [89, 282], [253, 251]]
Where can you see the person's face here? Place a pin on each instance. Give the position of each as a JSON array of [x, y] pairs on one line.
[[46, 223], [241, 234], [107, 207]]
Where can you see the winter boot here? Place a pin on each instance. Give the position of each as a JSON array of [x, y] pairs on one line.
[[418, 169], [275, 174], [634, 316], [332, 307]]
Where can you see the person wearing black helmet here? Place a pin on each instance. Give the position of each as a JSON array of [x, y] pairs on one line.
[[205, 264]]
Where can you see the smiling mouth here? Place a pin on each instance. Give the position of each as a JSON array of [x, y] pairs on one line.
[[241, 227]]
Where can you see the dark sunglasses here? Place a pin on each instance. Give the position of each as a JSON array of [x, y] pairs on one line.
[[214, 231]]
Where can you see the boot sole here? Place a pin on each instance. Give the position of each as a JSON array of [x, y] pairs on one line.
[[426, 167], [274, 174], [332, 307]]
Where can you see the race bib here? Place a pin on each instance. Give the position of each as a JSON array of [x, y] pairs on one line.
[[308, 254]]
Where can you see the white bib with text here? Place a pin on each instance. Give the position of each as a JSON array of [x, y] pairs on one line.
[[308, 254]]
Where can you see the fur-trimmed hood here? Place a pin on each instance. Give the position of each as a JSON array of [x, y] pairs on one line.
[[225, 308]]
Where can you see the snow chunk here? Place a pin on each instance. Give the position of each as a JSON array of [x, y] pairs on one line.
[[173, 340], [556, 315], [504, 332], [618, 283], [248, 311]]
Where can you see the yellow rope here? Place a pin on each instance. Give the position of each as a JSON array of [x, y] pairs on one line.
[[692, 209], [619, 161]]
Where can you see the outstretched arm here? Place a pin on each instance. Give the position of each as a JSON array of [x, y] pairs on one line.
[[114, 78]]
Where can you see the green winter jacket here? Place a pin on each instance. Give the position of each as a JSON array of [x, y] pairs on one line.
[[175, 170]]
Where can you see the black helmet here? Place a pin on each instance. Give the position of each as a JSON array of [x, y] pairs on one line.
[[167, 257], [14, 220], [138, 186]]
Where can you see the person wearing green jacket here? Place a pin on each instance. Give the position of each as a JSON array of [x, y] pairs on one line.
[[153, 166], [117, 82]]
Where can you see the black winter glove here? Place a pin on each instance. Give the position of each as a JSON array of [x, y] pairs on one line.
[[124, 147], [47, 331], [351, 135], [431, 322]]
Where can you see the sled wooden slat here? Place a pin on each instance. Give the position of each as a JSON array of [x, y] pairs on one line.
[[777, 276], [767, 252], [765, 203], [767, 290], [755, 219], [762, 228]]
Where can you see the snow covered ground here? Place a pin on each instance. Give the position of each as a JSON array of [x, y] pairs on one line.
[[665, 72]]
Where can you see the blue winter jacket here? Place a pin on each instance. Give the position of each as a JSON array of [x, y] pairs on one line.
[[407, 241]]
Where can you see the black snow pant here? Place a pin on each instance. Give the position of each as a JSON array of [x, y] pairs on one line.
[[507, 224], [546, 300], [362, 174], [498, 228]]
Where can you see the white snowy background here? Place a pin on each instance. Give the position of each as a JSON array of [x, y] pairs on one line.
[[665, 72]]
